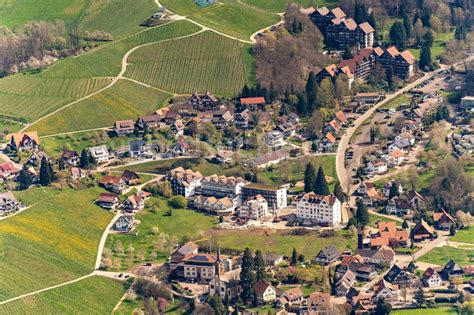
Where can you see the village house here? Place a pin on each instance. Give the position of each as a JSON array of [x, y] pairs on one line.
[[291, 297], [113, 183], [180, 148], [184, 182], [317, 302], [124, 224], [367, 98], [431, 278], [135, 202], [415, 200], [386, 290], [149, 121], [328, 255], [139, 149], [398, 206], [77, 173], [8, 171], [377, 167], [275, 139], [269, 159], [8, 203], [422, 231], [366, 273], [272, 260], [124, 127], [202, 101], [344, 282], [100, 153], [226, 285], [396, 158], [70, 157], [400, 145], [389, 234], [383, 255], [171, 117], [224, 156], [265, 293], [130, 178], [254, 208], [222, 206], [177, 127], [452, 270], [252, 103], [332, 127], [242, 119], [328, 142], [36, 158], [108, 201], [401, 278], [178, 255], [24, 141], [442, 220], [222, 118], [276, 196], [314, 209]]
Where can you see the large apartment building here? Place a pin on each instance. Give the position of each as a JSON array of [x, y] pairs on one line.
[[320, 210], [221, 186], [275, 196], [255, 208], [340, 31], [184, 182]]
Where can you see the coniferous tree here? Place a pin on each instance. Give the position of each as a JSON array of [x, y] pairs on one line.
[[24, 178], [294, 257], [389, 77], [321, 186], [44, 175], [245, 91], [362, 214], [372, 134], [247, 276], [408, 26], [338, 192], [405, 224], [52, 174], [393, 191], [383, 307], [419, 297], [92, 160], [302, 106], [398, 35], [84, 161], [61, 165], [347, 53], [425, 58], [310, 89], [428, 38], [309, 177], [259, 266], [452, 230]]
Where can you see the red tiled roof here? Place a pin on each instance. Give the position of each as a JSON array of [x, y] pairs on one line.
[[252, 100], [338, 13], [366, 28]]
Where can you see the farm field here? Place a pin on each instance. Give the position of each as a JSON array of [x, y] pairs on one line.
[[19, 12], [9, 126], [464, 236], [54, 146], [55, 241], [432, 311], [278, 6], [35, 194], [278, 242], [206, 62], [441, 255], [115, 17], [124, 100], [93, 295], [149, 241]]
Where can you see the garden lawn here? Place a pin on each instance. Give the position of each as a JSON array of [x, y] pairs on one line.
[[399, 100], [294, 170], [438, 45], [53, 242], [116, 17], [373, 218], [183, 223], [279, 242], [93, 295], [441, 255], [204, 62], [124, 100], [423, 311], [464, 236]]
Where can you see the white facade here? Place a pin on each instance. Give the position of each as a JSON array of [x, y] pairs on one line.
[[319, 209], [377, 167], [100, 153], [275, 139], [255, 208], [433, 281]]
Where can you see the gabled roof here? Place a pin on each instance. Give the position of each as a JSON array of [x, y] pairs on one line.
[[199, 258], [429, 273], [330, 251], [442, 216], [350, 24], [341, 116], [19, 137], [187, 248], [252, 100], [322, 11], [366, 28], [107, 197], [260, 287], [330, 137], [312, 197], [393, 51], [423, 227], [338, 13], [408, 57], [124, 124], [378, 51]]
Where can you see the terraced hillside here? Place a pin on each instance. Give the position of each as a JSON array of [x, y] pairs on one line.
[[124, 100], [53, 242], [204, 62], [94, 295]]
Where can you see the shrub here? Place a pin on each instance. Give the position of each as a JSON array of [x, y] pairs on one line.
[[178, 202]]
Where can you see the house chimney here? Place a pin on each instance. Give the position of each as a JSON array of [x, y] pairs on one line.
[[360, 238]]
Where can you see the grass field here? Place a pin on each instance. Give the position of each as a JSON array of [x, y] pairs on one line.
[[373, 218], [228, 16], [441, 255], [35, 194], [19, 12], [50, 243], [93, 295], [54, 146], [396, 102], [204, 62], [438, 45], [280, 5], [124, 100], [173, 226], [421, 311], [464, 236], [279, 242], [116, 17]]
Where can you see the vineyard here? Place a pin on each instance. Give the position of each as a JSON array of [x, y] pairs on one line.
[[93, 295], [50, 243], [124, 100], [204, 62], [115, 17]]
